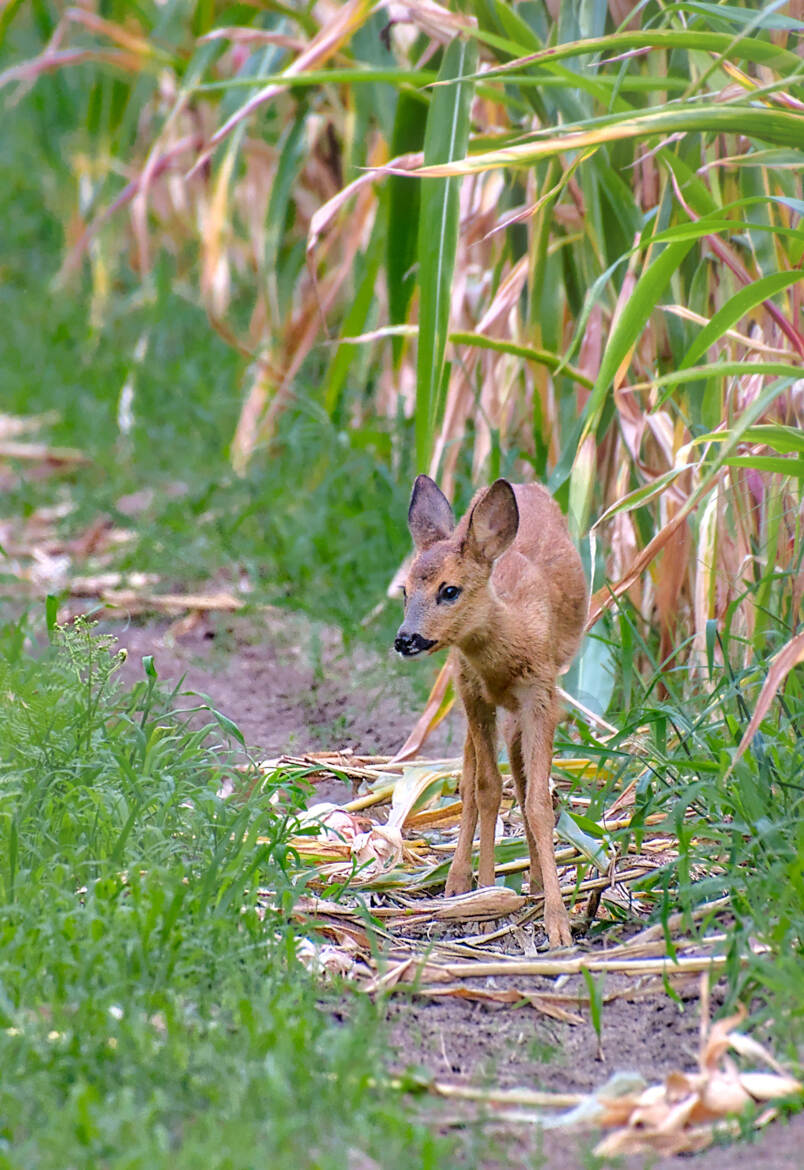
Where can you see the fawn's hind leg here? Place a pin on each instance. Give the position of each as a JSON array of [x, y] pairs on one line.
[[513, 739], [538, 726]]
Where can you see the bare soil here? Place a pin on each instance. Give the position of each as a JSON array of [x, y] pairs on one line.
[[289, 684], [291, 687]]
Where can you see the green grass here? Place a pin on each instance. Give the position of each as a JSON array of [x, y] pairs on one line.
[[150, 1014]]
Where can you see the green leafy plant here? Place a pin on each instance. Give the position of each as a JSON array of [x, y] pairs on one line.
[[153, 1009]]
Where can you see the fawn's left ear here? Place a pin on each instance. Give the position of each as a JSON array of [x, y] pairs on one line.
[[493, 523], [430, 517]]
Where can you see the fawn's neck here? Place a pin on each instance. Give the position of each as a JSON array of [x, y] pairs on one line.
[[496, 647]]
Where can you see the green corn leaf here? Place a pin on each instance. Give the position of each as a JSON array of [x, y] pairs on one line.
[[353, 323], [781, 127], [642, 495], [745, 422], [542, 357], [721, 370], [404, 201], [446, 137], [643, 300], [740, 16], [723, 44], [359, 75], [291, 158], [771, 434], [717, 226]]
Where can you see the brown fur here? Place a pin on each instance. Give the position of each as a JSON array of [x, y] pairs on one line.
[[515, 626]]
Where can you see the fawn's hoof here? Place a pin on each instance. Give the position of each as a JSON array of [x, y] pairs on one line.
[[558, 929], [458, 883]]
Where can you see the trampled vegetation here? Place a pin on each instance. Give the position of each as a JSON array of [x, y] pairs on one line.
[[311, 250]]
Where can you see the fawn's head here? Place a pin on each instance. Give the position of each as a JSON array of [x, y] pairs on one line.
[[446, 592]]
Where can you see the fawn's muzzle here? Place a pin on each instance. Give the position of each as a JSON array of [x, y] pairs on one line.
[[409, 645]]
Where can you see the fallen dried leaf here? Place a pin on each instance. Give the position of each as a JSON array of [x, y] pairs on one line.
[[667, 1118], [781, 664]]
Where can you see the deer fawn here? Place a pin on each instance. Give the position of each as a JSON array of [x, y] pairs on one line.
[[505, 590]]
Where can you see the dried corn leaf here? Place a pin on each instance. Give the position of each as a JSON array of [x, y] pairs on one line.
[[512, 996], [486, 902], [669, 1117], [781, 664]]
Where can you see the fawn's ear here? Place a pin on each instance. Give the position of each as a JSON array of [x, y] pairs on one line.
[[430, 517], [493, 522]]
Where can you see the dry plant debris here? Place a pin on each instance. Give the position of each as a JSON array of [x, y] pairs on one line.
[[392, 845], [390, 932], [682, 1113]]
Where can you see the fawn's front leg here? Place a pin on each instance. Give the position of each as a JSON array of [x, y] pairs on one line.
[[482, 719], [538, 726], [481, 789], [459, 878]]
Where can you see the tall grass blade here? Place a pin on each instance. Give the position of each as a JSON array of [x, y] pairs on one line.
[[736, 307]]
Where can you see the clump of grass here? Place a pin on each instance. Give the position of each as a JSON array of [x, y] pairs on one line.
[[152, 1012]]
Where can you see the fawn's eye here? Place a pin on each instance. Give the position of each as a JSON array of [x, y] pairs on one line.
[[448, 593], [404, 595]]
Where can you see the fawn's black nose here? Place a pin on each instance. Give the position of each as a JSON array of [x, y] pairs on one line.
[[409, 645]]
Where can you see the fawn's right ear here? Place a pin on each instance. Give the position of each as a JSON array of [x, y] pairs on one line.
[[493, 522], [430, 517]]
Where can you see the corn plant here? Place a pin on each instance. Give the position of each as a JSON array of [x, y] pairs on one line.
[[563, 239]]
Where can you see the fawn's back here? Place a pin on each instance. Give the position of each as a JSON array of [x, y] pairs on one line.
[[540, 576]]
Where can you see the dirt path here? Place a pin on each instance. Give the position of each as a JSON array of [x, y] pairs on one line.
[[292, 688]]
